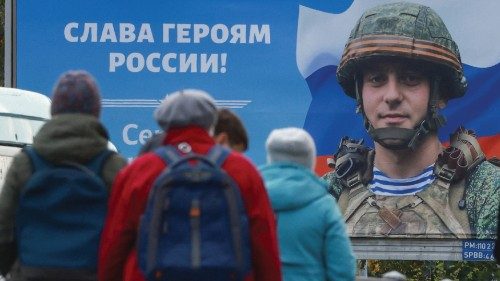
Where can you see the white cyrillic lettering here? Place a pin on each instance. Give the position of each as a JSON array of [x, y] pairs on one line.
[[210, 62], [125, 134], [256, 35], [144, 135], [89, 28], [183, 33], [135, 62], [169, 62], [149, 62], [108, 33], [214, 33], [188, 63], [238, 33], [218, 33], [67, 32], [166, 31], [200, 31], [127, 34], [145, 33], [223, 61], [115, 59], [165, 62]]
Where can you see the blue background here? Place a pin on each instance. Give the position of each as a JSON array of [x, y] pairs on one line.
[[265, 74]]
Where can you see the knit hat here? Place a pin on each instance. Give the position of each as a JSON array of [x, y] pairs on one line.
[[186, 107], [76, 92], [291, 145]]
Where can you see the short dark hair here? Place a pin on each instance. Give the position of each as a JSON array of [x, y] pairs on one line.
[[229, 123]]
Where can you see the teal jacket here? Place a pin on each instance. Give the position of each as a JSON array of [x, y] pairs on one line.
[[312, 237]]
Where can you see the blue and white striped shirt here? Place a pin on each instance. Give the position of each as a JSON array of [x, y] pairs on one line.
[[384, 185]]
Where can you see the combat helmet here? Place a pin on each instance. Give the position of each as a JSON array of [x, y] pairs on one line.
[[407, 31]]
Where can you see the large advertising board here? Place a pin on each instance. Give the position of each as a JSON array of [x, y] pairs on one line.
[[272, 62]]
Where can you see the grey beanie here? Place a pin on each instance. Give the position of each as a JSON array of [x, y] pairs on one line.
[[291, 145], [186, 107]]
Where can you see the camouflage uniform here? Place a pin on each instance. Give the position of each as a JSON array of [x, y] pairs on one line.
[[482, 200], [463, 200]]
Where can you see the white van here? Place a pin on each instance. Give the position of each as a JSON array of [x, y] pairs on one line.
[[22, 113]]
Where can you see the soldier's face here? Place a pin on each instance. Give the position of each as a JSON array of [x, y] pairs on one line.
[[395, 94]]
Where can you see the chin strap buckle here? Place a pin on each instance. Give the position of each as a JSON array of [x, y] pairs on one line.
[[420, 131]]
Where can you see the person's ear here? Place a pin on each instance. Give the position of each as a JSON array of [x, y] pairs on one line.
[[222, 138]]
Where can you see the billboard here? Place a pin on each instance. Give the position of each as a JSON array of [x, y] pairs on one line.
[[272, 62]]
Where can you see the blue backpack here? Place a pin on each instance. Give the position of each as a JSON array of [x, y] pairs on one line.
[[195, 226], [61, 214]]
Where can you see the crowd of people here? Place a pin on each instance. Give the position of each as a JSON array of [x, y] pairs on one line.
[[296, 224]]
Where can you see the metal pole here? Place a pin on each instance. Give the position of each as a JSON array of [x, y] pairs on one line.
[[8, 57]]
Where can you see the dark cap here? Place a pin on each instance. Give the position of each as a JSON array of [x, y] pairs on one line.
[[76, 92]]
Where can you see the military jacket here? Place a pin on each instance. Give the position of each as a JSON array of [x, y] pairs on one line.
[[433, 212]]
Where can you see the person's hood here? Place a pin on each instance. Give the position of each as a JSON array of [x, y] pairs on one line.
[[291, 186], [71, 137]]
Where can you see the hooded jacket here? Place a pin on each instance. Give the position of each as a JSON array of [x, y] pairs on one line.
[[66, 137], [311, 232], [118, 256]]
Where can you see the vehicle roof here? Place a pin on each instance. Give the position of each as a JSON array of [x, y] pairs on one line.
[[33, 104]]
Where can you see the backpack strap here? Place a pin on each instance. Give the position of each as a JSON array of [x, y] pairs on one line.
[[218, 154], [37, 162], [95, 165], [168, 154]]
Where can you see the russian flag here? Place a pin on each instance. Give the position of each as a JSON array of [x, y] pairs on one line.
[[321, 38]]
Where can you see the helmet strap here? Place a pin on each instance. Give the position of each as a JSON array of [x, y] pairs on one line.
[[433, 118], [359, 106]]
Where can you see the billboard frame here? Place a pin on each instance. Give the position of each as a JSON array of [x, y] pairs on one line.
[[364, 248]]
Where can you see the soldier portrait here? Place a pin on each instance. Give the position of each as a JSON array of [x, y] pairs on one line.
[[402, 66]]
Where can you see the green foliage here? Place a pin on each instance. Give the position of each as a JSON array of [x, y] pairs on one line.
[[437, 270]]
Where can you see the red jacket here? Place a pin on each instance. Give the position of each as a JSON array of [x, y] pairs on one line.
[[117, 254]]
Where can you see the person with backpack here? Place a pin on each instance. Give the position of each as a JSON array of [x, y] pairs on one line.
[[229, 131], [313, 242], [402, 74], [176, 213], [54, 199]]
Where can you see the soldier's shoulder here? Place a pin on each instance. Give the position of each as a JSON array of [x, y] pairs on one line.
[[329, 176], [486, 173], [488, 167], [333, 183]]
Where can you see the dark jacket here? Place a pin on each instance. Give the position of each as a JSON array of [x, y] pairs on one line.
[[67, 137]]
